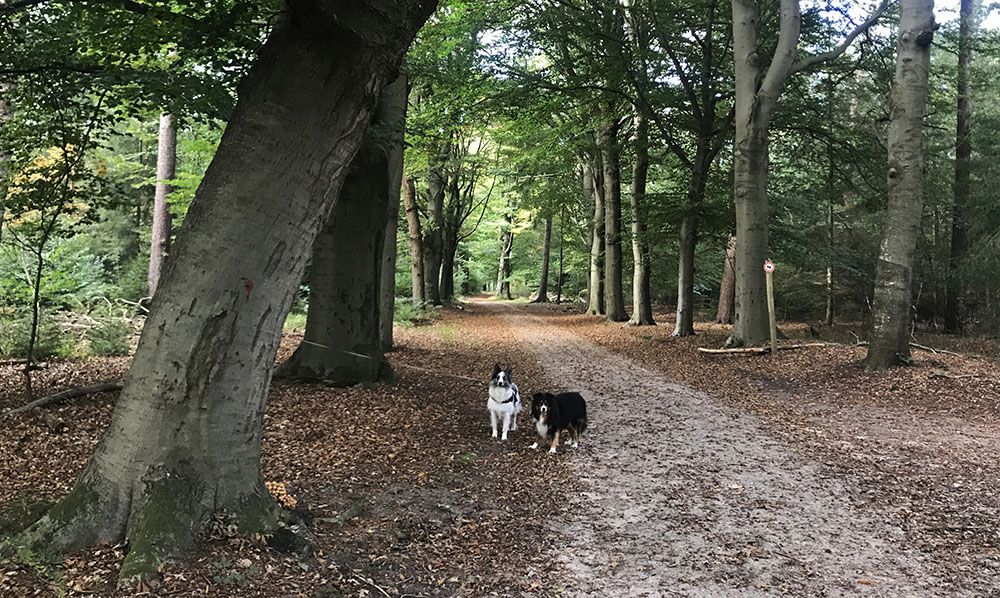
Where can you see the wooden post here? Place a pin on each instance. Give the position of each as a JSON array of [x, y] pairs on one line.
[[769, 275]]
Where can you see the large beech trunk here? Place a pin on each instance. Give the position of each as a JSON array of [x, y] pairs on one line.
[[416, 241], [434, 228], [392, 113], [543, 283], [727, 290], [595, 298], [342, 344], [614, 296], [954, 314], [184, 439], [166, 161], [758, 87], [889, 338], [642, 307]]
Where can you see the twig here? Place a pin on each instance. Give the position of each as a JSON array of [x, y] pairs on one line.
[[374, 585], [65, 395]]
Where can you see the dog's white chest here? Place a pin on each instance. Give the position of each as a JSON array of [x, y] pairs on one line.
[[542, 428]]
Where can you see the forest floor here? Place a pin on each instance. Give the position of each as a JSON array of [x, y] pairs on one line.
[[701, 475]]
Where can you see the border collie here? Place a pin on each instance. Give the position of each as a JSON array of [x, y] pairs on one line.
[[504, 402], [564, 412]]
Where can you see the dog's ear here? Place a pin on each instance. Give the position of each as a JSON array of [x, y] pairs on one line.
[[496, 369], [509, 370]]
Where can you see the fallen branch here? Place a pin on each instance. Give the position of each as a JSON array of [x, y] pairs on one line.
[[941, 373], [65, 395], [933, 350], [758, 350]]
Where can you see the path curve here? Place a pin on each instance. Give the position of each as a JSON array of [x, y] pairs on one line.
[[683, 496]]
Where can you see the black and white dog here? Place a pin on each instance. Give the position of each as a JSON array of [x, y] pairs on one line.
[[504, 402], [553, 414]]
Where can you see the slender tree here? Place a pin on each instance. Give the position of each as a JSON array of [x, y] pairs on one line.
[[185, 437], [166, 162], [392, 113], [727, 290], [614, 297], [889, 337], [642, 308], [954, 309], [594, 181], [416, 240], [506, 251], [543, 284]]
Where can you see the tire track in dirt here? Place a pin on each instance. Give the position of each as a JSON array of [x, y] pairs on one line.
[[682, 496]]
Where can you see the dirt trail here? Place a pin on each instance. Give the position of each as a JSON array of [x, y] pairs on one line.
[[683, 496]]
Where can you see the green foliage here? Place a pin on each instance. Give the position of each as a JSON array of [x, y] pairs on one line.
[[109, 336], [15, 332], [406, 314]]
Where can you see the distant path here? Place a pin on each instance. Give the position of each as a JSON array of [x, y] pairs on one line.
[[686, 497]]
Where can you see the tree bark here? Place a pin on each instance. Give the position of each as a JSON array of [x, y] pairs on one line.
[[449, 250], [890, 328], [543, 285], [727, 290], [392, 113], [595, 297], [642, 307], [166, 161], [614, 297], [416, 240], [954, 314], [342, 344], [184, 440], [506, 251]]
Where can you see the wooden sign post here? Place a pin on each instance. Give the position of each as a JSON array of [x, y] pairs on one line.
[[769, 275]]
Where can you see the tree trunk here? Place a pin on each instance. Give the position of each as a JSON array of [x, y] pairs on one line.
[[614, 296], [166, 160], [829, 261], [342, 344], [727, 291], [184, 440], [642, 308], [889, 337], [543, 285], [5, 114], [434, 229], [392, 113], [448, 254], [416, 240], [954, 314], [562, 234], [506, 250], [595, 297], [688, 239]]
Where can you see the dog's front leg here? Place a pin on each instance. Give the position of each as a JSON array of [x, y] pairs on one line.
[[506, 426], [493, 422], [555, 442]]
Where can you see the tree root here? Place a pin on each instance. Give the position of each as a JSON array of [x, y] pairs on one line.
[[59, 397]]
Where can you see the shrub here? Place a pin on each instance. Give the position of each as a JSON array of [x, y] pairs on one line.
[[15, 334], [110, 336]]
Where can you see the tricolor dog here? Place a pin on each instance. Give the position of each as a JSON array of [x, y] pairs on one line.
[[504, 402], [555, 414]]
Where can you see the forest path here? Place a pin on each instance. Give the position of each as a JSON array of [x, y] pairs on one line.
[[683, 496]]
